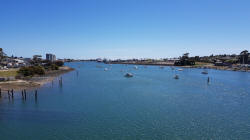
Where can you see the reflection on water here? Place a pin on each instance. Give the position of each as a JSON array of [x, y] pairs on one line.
[[91, 103]]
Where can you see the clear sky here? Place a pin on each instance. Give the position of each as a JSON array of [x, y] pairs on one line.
[[124, 28]]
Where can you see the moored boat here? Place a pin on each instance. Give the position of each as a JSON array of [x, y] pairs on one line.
[[128, 75], [204, 72], [176, 77]]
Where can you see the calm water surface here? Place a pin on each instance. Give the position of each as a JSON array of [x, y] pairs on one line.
[[100, 105]]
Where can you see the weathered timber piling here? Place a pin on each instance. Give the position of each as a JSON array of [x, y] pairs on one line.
[[208, 80], [36, 95], [60, 82], [0, 93], [9, 94], [24, 94], [12, 93]]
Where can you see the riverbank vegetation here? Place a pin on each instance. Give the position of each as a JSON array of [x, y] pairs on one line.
[[40, 68], [31, 70], [8, 73]]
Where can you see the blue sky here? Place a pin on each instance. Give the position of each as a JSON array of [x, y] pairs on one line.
[[124, 28]]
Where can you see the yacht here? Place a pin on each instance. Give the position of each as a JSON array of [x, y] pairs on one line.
[[128, 75], [176, 77], [204, 72]]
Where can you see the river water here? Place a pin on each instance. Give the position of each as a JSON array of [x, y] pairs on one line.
[[102, 105]]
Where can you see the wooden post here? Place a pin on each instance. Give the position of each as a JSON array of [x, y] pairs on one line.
[[12, 93], [0, 93], [208, 80], [24, 94], [36, 95], [9, 94], [60, 81]]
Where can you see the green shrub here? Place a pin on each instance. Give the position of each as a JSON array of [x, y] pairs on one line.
[[25, 71], [38, 70], [59, 63], [54, 67], [31, 70]]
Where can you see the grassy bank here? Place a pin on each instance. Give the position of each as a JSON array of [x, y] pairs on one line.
[[201, 64], [33, 82], [8, 73]]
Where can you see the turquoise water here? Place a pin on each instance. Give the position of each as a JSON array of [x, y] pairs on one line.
[[104, 105]]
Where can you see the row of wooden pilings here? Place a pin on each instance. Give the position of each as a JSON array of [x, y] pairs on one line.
[[60, 81], [24, 92], [11, 94]]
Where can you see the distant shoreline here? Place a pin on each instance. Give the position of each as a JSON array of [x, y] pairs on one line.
[[194, 66], [34, 82]]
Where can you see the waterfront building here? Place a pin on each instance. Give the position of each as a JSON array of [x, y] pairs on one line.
[[37, 57], [50, 57]]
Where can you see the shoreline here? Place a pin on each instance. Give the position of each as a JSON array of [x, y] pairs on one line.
[[35, 82], [226, 68]]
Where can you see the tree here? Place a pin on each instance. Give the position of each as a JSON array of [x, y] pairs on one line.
[[185, 56], [185, 60], [244, 57], [31, 70], [59, 63], [2, 54], [197, 58]]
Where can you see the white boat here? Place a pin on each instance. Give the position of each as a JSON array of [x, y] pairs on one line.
[[106, 69], [99, 60], [128, 75], [135, 67], [204, 72], [176, 77], [180, 69]]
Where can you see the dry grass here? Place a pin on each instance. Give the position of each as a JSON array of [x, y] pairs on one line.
[[202, 64], [8, 73]]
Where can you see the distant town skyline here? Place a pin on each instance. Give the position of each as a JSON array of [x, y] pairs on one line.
[[124, 29]]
